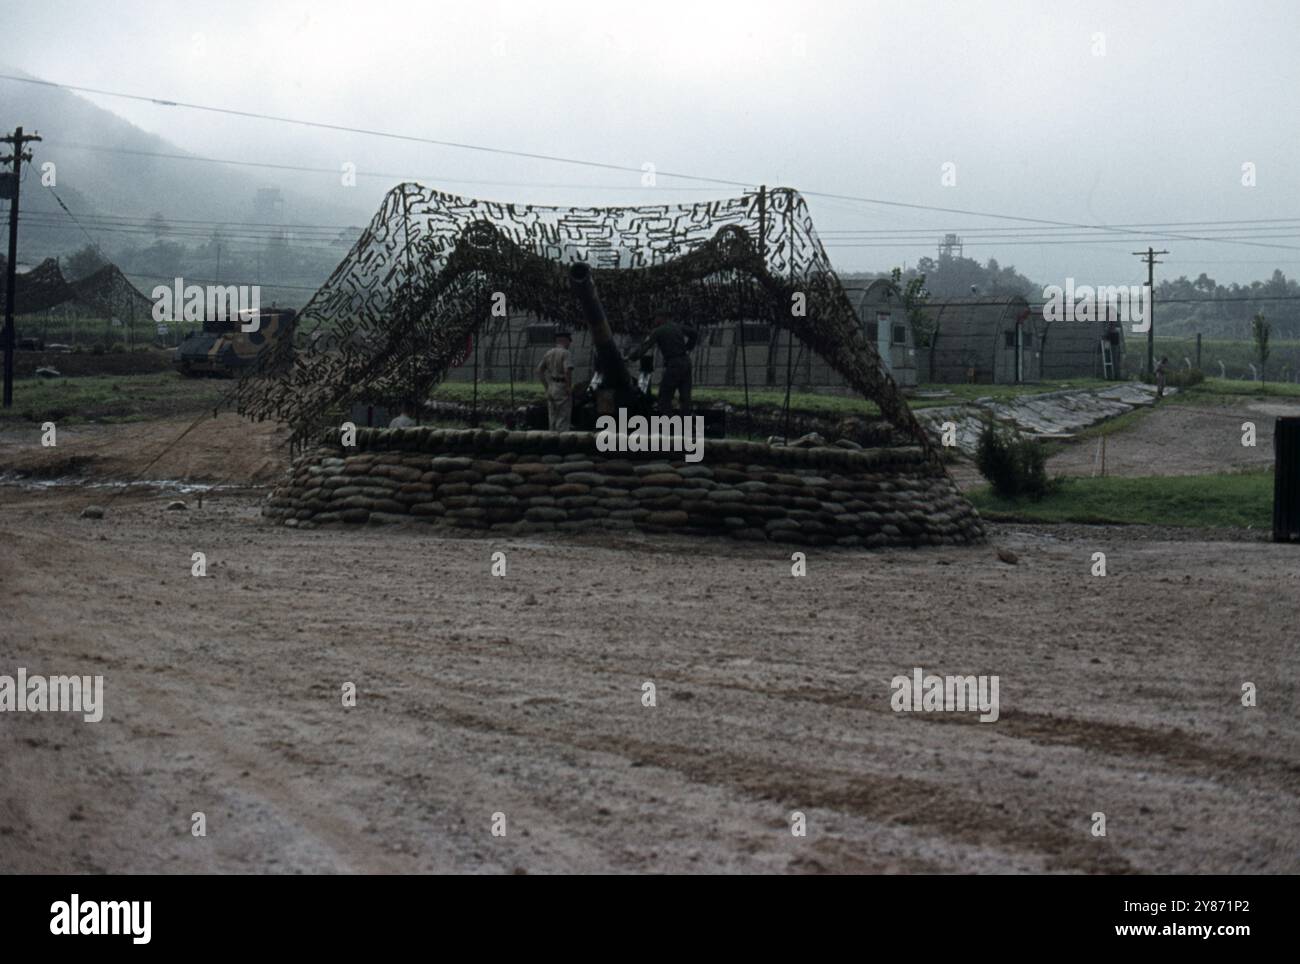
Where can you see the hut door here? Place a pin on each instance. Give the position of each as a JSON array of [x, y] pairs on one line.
[[883, 334]]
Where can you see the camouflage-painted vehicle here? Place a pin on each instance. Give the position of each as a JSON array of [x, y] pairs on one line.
[[223, 350]]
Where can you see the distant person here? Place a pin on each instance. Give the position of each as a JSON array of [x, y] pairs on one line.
[[556, 373], [407, 417], [1162, 370], [675, 342]]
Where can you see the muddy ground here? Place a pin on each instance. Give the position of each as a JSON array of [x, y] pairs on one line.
[[522, 695]]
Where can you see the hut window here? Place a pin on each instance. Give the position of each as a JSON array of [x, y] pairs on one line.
[[541, 334], [900, 335], [1011, 338], [751, 333]]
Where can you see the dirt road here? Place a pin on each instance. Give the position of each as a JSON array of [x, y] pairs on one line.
[[1195, 438], [522, 695]]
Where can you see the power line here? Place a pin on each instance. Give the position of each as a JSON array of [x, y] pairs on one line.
[[989, 229], [334, 172], [259, 241], [369, 132], [1076, 241], [302, 235], [553, 158], [841, 236]]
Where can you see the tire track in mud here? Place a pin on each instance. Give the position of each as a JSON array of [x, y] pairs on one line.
[[471, 701], [882, 799]]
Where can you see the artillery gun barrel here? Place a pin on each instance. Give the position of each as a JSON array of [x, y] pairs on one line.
[[608, 361]]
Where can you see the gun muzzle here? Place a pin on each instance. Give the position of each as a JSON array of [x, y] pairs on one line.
[[608, 361], [593, 311]]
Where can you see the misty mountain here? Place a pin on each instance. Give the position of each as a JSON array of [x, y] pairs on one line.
[[157, 214]]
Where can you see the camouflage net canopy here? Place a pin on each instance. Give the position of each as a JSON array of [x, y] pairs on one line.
[[106, 293], [421, 280]]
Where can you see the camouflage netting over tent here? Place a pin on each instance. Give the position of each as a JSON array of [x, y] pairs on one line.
[[398, 310], [42, 287], [107, 292]]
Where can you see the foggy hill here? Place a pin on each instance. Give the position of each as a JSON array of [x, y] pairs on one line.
[[98, 176]]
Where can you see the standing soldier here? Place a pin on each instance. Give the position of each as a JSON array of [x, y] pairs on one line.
[[1162, 372], [556, 373], [674, 342]]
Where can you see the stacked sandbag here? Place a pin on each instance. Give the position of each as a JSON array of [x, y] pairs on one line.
[[514, 482]]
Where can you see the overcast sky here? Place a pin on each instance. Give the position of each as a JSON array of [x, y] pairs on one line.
[[1097, 113]]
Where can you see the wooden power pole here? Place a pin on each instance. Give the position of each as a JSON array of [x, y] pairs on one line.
[[1149, 256], [9, 185]]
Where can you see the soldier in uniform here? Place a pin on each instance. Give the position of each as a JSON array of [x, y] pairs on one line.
[[675, 343], [405, 419], [556, 373]]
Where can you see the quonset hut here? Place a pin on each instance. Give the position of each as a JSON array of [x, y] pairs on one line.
[[1079, 349], [986, 340]]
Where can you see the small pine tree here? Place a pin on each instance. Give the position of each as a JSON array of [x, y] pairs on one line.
[[1260, 329], [1013, 466]]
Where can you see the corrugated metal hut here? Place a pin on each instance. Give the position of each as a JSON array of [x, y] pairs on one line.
[[1073, 349], [884, 321], [991, 339]]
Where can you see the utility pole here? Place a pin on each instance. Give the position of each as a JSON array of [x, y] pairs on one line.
[[9, 188], [1149, 256]]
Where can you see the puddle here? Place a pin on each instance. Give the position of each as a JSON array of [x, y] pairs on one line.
[[72, 481]]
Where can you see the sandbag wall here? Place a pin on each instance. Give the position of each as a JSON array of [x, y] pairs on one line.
[[537, 481]]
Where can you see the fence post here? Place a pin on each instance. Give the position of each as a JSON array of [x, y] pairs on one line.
[[1286, 479]]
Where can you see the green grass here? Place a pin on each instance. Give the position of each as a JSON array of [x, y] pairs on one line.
[[1229, 500], [498, 393], [1234, 388], [110, 398], [1236, 354]]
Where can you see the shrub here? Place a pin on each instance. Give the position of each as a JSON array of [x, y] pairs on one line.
[[1013, 466], [1177, 377]]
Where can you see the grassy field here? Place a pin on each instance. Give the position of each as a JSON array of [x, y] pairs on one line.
[[1233, 389], [110, 399], [1284, 354], [133, 397], [498, 393], [1233, 500]]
